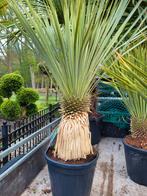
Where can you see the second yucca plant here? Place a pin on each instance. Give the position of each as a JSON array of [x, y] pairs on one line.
[[129, 76]]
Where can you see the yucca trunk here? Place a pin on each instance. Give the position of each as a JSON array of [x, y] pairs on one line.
[[74, 138], [138, 127]]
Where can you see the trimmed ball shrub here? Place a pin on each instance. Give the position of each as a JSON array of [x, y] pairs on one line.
[[10, 83], [5, 92], [26, 96], [10, 110], [31, 109]]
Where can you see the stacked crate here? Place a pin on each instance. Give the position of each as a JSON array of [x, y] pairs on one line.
[[116, 118]]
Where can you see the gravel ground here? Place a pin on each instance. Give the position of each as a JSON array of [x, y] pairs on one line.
[[110, 176]]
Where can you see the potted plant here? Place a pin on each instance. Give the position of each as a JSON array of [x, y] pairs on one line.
[[95, 119], [95, 124], [130, 77], [73, 53]]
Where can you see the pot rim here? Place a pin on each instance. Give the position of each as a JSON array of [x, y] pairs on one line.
[[96, 118], [70, 166], [140, 150]]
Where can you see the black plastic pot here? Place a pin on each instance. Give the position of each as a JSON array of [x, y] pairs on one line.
[[110, 130], [95, 129], [136, 162], [70, 179]]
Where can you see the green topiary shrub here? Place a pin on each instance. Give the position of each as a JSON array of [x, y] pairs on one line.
[[26, 96], [31, 109], [10, 110], [10, 83], [5, 92]]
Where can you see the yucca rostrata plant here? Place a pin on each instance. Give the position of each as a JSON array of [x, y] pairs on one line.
[[129, 75], [73, 51]]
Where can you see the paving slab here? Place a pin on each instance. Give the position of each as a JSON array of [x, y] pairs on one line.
[[110, 176]]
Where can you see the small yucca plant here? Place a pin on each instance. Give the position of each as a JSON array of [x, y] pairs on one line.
[[91, 32], [129, 76]]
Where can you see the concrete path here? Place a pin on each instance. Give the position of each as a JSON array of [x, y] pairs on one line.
[[110, 176]]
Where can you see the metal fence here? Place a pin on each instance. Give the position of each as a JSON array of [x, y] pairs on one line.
[[18, 131], [43, 136]]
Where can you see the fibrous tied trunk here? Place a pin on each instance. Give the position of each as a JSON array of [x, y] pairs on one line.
[[138, 127], [74, 138]]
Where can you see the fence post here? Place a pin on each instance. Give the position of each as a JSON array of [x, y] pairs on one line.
[[50, 109], [5, 140]]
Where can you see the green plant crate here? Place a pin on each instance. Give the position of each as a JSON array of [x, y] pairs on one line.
[[105, 90], [114, 111], [116, 118]]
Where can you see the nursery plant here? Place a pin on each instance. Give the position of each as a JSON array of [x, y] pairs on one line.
[[129, 76], [31, 109], [86, 40], [10, 110], [73, 52], [25, 98], [10, 83]]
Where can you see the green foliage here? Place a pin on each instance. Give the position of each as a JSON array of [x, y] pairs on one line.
[[130, 72], [10, 83], [17, 72], [129, 76], [3, 68], [31, 109], [6, 93], [26, 96], [10, 110], [3, 7], [28, 60], [91, 34], [1, 100]]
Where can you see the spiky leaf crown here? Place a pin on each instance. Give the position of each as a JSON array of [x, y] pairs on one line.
[[75, 105]]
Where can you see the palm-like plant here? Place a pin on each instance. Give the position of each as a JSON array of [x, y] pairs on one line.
[[129, 76], [73, 52]]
